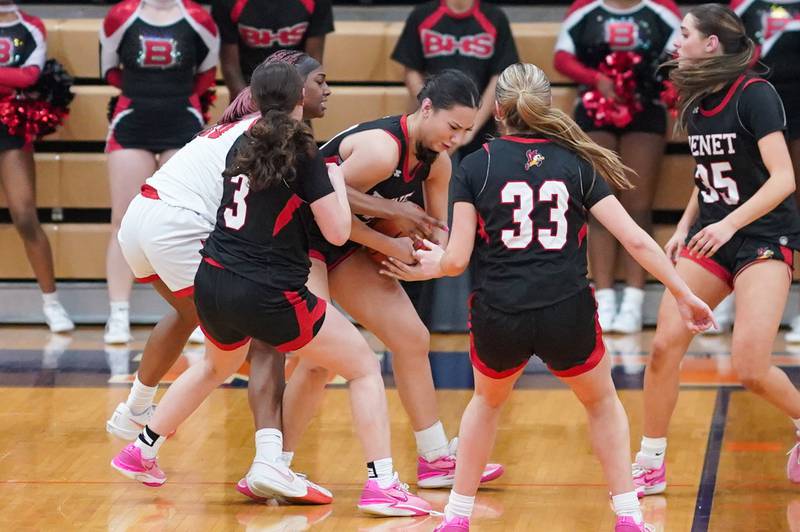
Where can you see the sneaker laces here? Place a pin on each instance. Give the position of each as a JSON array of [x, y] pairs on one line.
[[638, 469]]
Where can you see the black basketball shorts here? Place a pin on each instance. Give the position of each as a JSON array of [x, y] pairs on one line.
[[233, 309], [565, 335], [739, 253]]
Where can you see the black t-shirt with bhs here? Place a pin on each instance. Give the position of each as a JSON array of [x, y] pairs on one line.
[[532, 196], [262, 27], [263, 235], [724, 131]]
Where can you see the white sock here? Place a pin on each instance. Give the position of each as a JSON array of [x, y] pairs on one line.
[[287, 457], [796, 426], [120, 306], [141, 396], [628, 504], [149, 442], [652, 451], [432, 442], [269, 443], [50, 299], [458, 506], [381, 470]]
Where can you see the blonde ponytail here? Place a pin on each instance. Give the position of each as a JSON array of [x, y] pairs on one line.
[[523, 95]]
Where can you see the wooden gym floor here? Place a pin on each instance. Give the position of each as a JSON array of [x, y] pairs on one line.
[[726, 455]]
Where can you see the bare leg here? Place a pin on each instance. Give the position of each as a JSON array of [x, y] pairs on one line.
[[127, 170], [18, 178], [643, 153], [672, 339], [761, 292], [265, 388]]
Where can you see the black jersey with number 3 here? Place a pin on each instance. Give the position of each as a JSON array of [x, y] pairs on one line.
[[724, 131], [405, 183], [263, 235], [532, 196]]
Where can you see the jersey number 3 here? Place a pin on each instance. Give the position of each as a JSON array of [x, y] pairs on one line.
[[718, 184], [520, 193], [236, 213]]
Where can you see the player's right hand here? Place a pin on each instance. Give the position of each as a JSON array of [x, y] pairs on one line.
[[415, 222], [400, 248], [675, 245]]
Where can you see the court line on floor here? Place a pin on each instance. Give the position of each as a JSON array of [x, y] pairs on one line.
[[708, 479]]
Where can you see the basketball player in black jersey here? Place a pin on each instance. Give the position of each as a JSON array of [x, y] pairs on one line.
[[739, 228], [390, 164], [521, 204], [251, 284], [592, 30]]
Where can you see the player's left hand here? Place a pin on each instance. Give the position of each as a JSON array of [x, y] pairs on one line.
[[709, 239], [428, 264]]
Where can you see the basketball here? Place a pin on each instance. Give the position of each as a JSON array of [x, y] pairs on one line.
[[388, 228]]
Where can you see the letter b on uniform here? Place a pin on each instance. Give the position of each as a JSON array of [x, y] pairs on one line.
[[158, 53]]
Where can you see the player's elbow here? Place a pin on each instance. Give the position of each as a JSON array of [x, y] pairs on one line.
[[338, 232], [453, 266]]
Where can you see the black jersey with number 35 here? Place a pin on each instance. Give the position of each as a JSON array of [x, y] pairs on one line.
[[724, 131], [263, 235], [532, 196]]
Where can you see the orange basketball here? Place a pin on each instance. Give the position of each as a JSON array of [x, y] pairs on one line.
[[388, 228]]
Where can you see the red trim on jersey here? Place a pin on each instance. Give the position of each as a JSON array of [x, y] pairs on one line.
[[204, 80], [466, 14], [286, 214], [19, 77], [486, 146], [201, 16], [524, 140], [309, 5], [213, 263], [753, 80], [236, 11], [314, 254], [482, 228], [724, 102], [710, 265], [577, 5], [33, 21], [407, 176], [149, 192], [147, 279], [669, 4], [305, 319], [582, 234], [570, 66], [119, 15], [122, 103], [225, 347], [184, 292], [594, 357], [487, 26], [432, 19], [334, 159], [114, 77], [735, 4]]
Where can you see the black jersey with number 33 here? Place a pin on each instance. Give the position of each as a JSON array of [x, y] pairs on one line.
[[724, 131], [532, 196], [263, 235]]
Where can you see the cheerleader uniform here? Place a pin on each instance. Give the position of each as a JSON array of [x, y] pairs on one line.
[[775, 27], [22, 55], [593, 30], [161, 70]]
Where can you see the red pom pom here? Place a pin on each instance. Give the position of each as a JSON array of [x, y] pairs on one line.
[[619, 112], [670, 98]]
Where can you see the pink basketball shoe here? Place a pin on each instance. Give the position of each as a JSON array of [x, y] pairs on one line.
[[131, 464], [626, 523], [456, 524], [441, 473], [394, 501], [649, 481], [793, 465]]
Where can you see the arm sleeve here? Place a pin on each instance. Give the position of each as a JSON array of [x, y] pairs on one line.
[[221, 13], [505, 52], [408, 50], [314, 175], [568, 64], [593, 187], [760, 109], [19, 78], [321, 19], [472, 170]]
